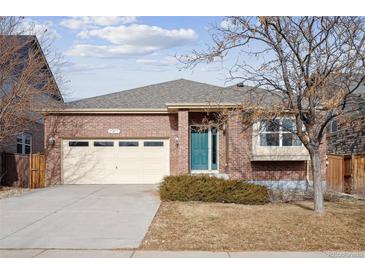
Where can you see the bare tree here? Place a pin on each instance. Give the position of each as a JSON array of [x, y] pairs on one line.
[[315, 65], [26, 83]]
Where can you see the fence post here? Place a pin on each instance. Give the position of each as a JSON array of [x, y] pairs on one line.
[[358, 172], [30, 171]]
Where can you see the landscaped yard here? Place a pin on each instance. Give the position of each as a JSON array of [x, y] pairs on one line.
[[232, 227]]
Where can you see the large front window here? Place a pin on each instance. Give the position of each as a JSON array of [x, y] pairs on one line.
[[278, 133]]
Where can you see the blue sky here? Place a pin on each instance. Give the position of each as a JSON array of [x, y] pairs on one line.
[[108, 54]]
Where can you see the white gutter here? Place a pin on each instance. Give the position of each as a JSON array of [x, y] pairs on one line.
[[102, 111], [199, 106], [169, 107]]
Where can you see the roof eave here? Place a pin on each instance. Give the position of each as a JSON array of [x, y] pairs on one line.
[[102, 111], [172, 107]]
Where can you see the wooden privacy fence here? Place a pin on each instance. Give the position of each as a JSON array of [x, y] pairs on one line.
[[23, 170], [346, 173], [335, 173], [37, 165], [15, 170], [358, 174]]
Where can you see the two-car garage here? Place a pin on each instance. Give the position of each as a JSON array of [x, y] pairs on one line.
[[115, 161]]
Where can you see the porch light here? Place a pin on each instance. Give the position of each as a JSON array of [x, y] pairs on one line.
[[224, 127], [177, 141], [51, 141]]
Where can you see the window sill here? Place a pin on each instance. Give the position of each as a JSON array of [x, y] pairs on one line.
[[280, 158], [203, 171]]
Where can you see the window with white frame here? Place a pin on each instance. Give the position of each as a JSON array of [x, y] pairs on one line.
[[24, 143], [332, 126], [278, 133]]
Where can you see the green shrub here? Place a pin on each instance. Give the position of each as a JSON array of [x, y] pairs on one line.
[[211, 189]]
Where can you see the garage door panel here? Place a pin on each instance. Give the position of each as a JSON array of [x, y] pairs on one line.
[[117, 164], [154, 155], [153, 166]]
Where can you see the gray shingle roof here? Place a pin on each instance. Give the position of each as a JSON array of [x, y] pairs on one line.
[[156, 96]]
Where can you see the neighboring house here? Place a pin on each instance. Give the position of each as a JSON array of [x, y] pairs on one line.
[[347, 136], [31, 140], [346, 148], [138, 136]]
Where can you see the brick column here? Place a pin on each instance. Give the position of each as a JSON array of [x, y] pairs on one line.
[[239, 149], [183, 128]]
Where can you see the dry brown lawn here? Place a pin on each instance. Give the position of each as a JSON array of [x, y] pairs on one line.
[[231, 227], [7, 191]]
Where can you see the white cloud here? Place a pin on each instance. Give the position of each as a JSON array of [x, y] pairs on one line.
[[166, 61], [84, 68], [86, 50], [227, 24], [43, 30], [132, 40], [113, 20], [90, 22], [141, 35]]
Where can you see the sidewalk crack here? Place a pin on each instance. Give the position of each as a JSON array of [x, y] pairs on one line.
[[36, 255]]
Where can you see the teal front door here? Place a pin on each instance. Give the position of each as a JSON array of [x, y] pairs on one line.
[[199, 149]]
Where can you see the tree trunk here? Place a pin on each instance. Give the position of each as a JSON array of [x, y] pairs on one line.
[[317, 184]]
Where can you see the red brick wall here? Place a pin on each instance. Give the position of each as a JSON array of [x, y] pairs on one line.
[[183, 128], [240, 165], [96, 126], [239, 149], [281, 170], [236, 161]]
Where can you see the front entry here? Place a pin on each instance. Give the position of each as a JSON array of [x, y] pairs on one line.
[[203, 149]]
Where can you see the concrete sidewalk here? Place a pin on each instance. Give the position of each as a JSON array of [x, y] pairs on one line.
[[132, 253]]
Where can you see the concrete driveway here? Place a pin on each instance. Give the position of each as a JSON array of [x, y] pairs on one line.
[[78, 217]]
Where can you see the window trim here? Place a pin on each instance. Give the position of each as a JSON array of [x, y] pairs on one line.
[[333, 123], [23, 136], [261, 131], [281, 131]]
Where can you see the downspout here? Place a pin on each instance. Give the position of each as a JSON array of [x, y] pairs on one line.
[[225, 131]]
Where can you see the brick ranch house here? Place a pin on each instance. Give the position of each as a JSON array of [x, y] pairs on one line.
[[143, 134]]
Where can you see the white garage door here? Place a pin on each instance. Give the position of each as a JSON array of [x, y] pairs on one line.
[[115, 161]]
